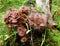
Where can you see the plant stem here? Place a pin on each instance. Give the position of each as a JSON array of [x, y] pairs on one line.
[[43, 39]]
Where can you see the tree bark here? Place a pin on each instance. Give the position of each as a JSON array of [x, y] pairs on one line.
[[44, 4]]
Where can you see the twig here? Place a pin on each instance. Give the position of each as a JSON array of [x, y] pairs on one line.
[[43, 39], [30, 2], [32, 39]]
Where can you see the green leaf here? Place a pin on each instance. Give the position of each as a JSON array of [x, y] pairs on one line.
[[28, 31], [38, 8]]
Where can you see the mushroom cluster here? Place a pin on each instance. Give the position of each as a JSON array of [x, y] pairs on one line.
[[19, 17]]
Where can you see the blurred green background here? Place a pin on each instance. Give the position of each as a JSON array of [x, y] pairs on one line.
[[6, 4]]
